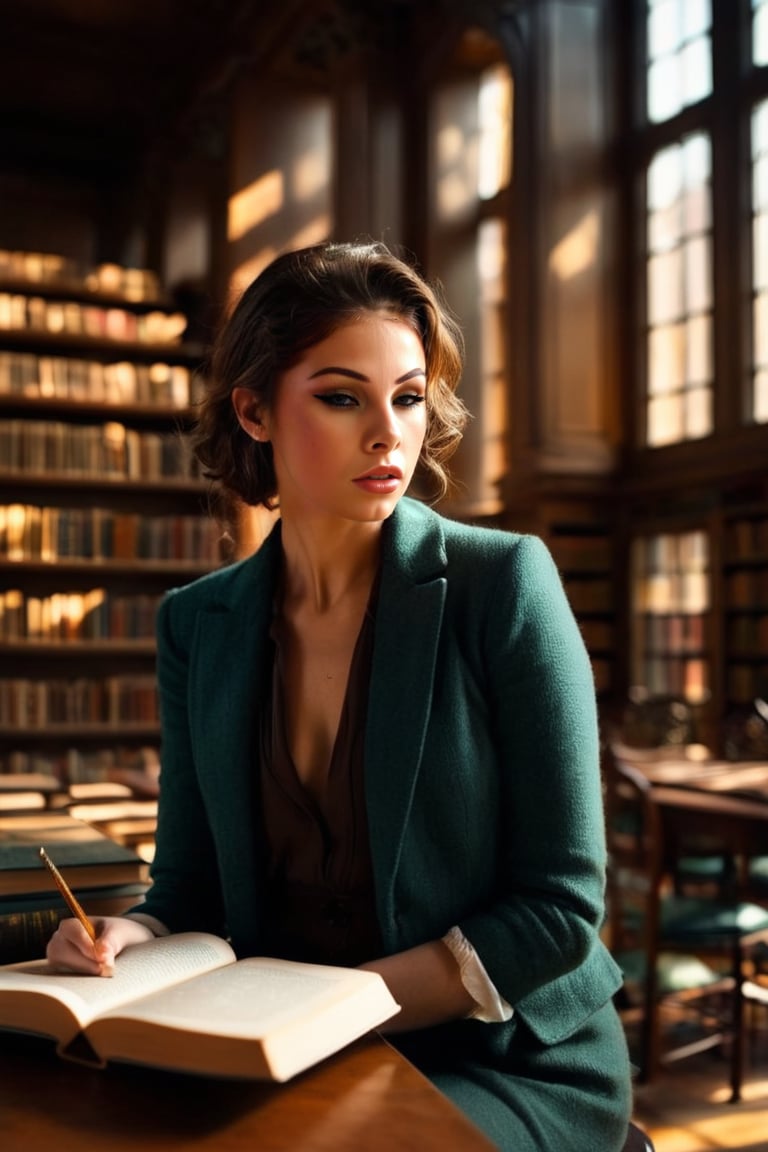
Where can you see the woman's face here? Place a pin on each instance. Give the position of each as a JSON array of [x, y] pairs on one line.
[[347, 422]]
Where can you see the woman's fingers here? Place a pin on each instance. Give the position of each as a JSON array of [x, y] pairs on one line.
[[72, 949]]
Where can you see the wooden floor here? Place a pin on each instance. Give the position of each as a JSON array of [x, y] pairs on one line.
[[686, 1109]]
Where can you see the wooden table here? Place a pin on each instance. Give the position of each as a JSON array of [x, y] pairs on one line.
[[367, 1098], [719, 801]]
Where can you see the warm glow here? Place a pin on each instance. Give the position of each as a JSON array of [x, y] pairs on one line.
[[310, 176], [314, 232], [577, 251], [12, 521], [495, 110], [457, 166], [253, 205]]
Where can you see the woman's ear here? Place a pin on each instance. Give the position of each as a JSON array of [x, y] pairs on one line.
[[248, 414]]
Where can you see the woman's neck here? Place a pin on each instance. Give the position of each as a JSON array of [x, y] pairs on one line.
[[323, 567]]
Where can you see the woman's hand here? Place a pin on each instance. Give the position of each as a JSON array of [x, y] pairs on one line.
[[72, 950]]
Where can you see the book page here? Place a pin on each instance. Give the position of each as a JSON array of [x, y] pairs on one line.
[[251, 998], [259, 1018], [139, 969]]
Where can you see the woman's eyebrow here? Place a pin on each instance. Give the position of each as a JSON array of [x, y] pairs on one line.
[[349, 372]]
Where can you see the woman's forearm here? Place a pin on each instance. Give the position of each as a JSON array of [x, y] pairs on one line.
[[426, 982]]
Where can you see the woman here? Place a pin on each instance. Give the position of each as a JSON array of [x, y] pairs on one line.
[[379, 733]]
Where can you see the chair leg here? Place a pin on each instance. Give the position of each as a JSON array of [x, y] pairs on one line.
[[737, 1053]]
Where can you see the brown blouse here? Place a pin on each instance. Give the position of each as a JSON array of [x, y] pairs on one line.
[[321, 905]]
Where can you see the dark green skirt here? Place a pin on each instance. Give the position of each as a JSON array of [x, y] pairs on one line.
[[575, 1096]]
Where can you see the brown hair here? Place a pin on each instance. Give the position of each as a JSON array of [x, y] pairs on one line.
[[297, 301]]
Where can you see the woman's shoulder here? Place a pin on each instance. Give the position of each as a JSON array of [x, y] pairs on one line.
[[474, 542], [223, 585]]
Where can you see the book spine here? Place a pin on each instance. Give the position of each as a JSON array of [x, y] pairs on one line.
[[25, 935]]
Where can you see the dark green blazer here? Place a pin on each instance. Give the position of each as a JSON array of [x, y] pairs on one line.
[[481, 765]]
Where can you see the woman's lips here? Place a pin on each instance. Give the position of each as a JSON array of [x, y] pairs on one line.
[[380, 480]]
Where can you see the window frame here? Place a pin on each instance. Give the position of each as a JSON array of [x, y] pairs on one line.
[[737, 87]]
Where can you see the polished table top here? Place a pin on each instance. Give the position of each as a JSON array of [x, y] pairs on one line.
[[715, 798], [367, 1098], [747, 779]]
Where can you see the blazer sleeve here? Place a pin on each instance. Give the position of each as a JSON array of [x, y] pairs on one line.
[[186, 890], [544, 921]]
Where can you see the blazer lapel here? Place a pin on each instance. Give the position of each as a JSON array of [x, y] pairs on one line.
[[408, 622], [230, 675]]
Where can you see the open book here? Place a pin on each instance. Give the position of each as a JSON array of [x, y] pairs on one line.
[[186, 1003]]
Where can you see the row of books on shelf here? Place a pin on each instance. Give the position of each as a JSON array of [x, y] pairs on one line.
[[746, 682], [747, 588], [671, 554], [92, 615], [669, 593], [748, 538], [111, 700], [679, 631], [590, 595], [582, 552], [748, 634], [136, 284], [678, 676], [22, 313], [136, 768], [597, 633], [119, 382], [29, 532], [97, 450]]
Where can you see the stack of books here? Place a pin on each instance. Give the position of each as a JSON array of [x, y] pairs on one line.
[[107, 877]]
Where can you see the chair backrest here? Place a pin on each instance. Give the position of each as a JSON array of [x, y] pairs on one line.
[[637, 1141], [656, 721], [746, 732], [635, 855]]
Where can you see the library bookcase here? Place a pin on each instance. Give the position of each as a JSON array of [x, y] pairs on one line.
[[101, 510]]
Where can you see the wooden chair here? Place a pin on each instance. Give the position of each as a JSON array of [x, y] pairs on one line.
[[684, 958], [637, 1140]]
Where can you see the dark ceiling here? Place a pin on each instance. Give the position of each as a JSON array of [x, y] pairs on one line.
[[87, 85]]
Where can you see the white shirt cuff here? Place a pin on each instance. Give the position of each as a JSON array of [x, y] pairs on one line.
[[491, 1007]]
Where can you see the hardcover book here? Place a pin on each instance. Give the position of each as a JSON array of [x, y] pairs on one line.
[[185, 1003], [88, 858]]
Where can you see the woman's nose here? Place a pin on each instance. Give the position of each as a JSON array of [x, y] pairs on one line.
[[384, 432]]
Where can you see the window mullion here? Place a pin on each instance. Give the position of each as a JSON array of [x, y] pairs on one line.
[[731, 264]]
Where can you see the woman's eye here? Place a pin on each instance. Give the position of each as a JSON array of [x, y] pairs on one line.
[[410, 399], [336, 399]]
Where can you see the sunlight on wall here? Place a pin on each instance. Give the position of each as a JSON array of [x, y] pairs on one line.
[[282, 179], [471, 169], [456, 153], [578, 250], [312, 233], [254, 204], [309, 176], [495, 112]]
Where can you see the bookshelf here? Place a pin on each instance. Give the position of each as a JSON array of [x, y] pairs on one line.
[[101, 510], [579, 533], [671, 602], [698, 605], [745, 599]]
